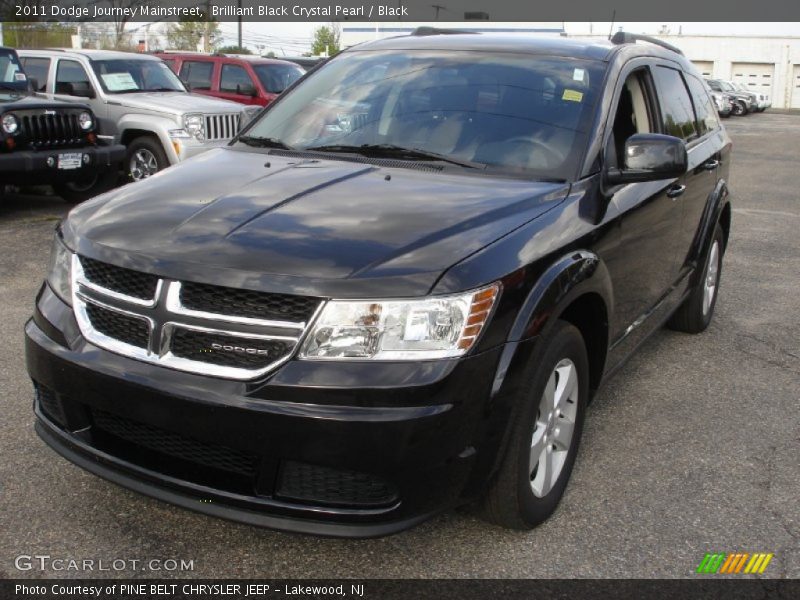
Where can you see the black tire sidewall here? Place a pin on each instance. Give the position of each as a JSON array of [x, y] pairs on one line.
[[700, 287], [148, 143], [564, 341]]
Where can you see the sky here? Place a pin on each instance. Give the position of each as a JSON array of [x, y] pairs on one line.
[[295, 38]]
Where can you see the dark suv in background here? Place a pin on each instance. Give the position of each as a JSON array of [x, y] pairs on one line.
[[47, 142], [396, 291]]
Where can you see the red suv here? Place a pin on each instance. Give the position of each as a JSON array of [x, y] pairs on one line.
[[243, 79]]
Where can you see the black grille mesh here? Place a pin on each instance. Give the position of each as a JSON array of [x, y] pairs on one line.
[[119, 279], [246, 303], [165, 442], [130, 330], [233, 351], [49, 404], [323, 485]]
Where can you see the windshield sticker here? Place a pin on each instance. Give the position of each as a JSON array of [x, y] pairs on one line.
[[572, 95], [119, 82], [578, 74], [20, 76]]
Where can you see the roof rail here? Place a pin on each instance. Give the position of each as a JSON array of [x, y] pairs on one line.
[[623, 37], [425, 30]]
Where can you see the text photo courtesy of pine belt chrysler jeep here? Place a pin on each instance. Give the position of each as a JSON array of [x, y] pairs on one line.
[[140, 103], [396, 291], [47, 141]]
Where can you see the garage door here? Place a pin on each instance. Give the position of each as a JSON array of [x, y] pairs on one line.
[[796, 87], [706, 67], [756, 76]]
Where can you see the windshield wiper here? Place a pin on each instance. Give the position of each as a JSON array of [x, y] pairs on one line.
[[393, 151], [261, 142]]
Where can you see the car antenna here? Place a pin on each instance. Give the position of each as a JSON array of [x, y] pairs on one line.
[[613, 19]]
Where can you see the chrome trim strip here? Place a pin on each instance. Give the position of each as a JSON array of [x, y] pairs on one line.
[[175, 305], [80, 275]]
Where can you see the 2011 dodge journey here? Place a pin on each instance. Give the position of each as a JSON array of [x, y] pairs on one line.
[[393, 292]]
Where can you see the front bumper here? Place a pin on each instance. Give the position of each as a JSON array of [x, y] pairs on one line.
[[401, 439], [31, 168]]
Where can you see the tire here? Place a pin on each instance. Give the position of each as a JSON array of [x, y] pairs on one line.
[[696, 312], [518, 497], [144, 158], [739, 109], [77, 192]]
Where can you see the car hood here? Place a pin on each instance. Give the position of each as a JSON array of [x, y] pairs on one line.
[[176, 103], [25, 102], [298, 225]]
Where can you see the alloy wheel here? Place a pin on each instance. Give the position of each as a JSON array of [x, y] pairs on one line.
[[555, 425], [712, 271], [143, 164]]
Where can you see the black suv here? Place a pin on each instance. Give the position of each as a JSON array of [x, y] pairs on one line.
[[49, 142], [395, 291]]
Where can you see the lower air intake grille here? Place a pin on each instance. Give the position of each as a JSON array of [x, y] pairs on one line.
[[119, 279], [246, 303], [175, 445], [49, 404], [227, 350], [322, 485], [118, 326]]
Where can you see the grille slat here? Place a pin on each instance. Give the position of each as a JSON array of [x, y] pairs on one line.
[[116, 325], [59, 130], [221, 127], [119, 279], [246, 303], [227, 350]]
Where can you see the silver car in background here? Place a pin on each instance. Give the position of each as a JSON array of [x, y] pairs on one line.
[[139, 102]]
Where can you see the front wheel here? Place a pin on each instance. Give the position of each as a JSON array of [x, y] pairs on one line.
[[546, 433], [75, 192], [145, 157], [739, 109]]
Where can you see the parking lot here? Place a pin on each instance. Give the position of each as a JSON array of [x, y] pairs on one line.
[[692, 448]]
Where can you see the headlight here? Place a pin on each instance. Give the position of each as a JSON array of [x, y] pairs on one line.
[[59, 275], [193, 124], [10, 123], [436, 327], [85, 121]]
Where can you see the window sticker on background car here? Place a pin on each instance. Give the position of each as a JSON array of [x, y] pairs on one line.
[[119, 82], [572, 96], [20, 76]]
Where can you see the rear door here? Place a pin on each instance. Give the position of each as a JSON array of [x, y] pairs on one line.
[[199, 76], [236, 84]]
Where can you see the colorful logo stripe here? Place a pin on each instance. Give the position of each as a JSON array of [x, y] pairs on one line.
[[734, 563]]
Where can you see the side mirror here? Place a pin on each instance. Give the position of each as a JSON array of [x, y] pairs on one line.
[[33, 85], [650, 157], [81, 89], [187, 85]]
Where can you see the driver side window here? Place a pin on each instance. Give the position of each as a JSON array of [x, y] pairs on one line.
[[632, 116]]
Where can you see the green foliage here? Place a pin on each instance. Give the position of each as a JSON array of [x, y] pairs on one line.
[[186, 35], [28, 34], [326, 39], [233, 50]]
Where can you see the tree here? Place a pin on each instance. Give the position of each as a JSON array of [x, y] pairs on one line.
[[326, 40], [234, 50], [186, 35]]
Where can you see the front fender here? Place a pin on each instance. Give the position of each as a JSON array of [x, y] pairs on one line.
[[158, 126], [574, 275], [715, 205]]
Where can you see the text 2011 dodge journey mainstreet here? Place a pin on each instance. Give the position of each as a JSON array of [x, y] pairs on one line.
[[395, 291]]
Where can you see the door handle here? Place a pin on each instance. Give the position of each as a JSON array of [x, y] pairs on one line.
[[675, 190], [710, 165]]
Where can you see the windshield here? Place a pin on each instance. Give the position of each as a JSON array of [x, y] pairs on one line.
[[133, 75], [501, 111], [276, 78], [727, 86], [11, 74]]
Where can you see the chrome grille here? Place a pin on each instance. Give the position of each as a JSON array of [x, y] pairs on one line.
[[144, 317], [222, 127]]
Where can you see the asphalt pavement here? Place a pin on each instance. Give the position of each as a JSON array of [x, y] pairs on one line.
[[693, 447]]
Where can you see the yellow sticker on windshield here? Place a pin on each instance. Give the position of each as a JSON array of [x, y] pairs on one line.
[[572, 95]]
